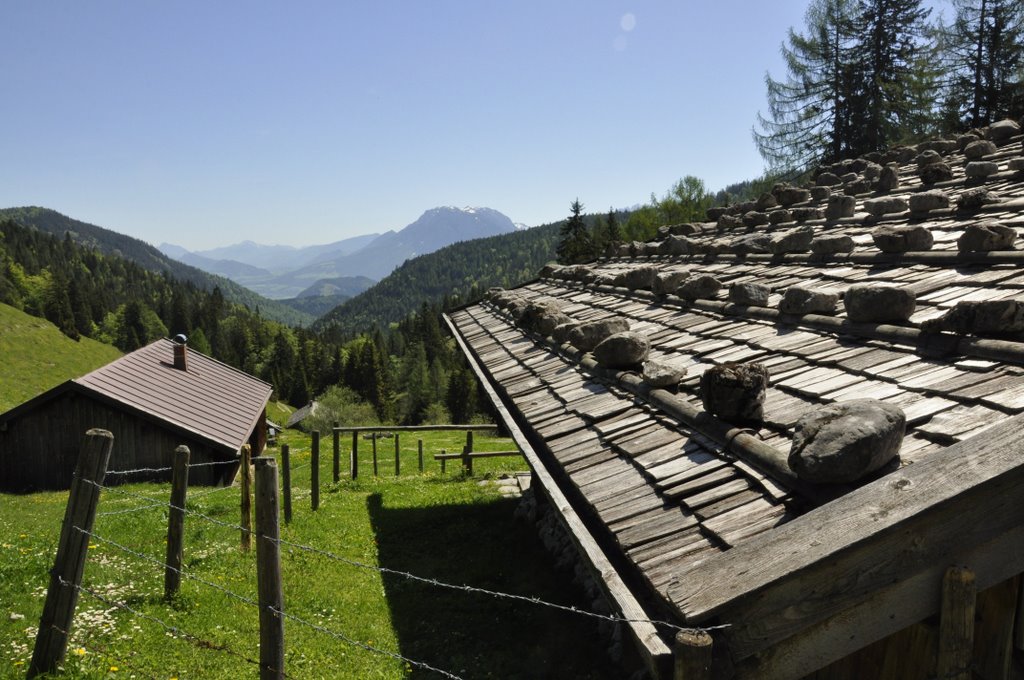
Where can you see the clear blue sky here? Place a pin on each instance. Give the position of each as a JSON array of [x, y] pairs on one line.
[[207, 123]]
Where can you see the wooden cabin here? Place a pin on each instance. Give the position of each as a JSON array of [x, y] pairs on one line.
[[911, 572], [153, 400]]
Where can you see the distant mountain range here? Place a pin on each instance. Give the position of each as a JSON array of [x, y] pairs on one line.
[[352, 265]]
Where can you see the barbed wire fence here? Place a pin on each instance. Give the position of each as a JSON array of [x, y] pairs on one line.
[[79, 531]]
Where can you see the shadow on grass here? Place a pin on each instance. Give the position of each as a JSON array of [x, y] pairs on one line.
[[471, 634]]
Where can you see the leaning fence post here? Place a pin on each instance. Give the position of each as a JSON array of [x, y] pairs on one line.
[[268, 571], [286, 482], [692, 655], [66, 575], [176, 522], [398, 461], [246, 501], [354, 462], [419, 452], [336, 469], [314, 473]]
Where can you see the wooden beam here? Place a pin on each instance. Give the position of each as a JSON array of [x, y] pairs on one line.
[[835, 557], [655, 653], [956, 625]]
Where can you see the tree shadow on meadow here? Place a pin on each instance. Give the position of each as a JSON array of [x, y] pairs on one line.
[[474, 635]]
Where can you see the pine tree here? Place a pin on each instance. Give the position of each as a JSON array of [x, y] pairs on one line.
[[887, 61], [575, 245], [612, 231], [982, 51], [809, 112]]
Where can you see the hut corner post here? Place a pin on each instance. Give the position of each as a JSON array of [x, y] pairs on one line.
[[336, 467], [956, 625], [692, 654], [66, 575]]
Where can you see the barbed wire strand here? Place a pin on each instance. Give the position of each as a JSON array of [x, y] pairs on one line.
[[253, 603], [170, 628], [169, 468], [614, 618]]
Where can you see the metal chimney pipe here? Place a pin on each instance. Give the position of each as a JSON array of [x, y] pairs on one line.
[[180, 352]]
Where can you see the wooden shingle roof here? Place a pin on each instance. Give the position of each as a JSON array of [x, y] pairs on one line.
[[670, 487]]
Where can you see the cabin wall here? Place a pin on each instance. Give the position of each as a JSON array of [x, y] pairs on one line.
[[911, 653], [39, 449]]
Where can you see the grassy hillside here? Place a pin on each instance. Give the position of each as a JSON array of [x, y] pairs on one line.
[[35, 356], [435, 525]]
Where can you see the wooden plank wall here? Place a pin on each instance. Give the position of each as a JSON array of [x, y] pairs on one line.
[[38, 450]]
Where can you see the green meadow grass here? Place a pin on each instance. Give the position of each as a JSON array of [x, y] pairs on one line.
[[35, 356], [446, 527]]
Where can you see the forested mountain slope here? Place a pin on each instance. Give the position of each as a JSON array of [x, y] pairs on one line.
[[463, 269], [149, 258]]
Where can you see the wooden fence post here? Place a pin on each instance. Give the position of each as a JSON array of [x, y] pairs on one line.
[[419, 451], [956, 625], [286, 482], [314, 473], [373, 438], [268, 571], [354, 463], [336, 469], [443, 461], [398, 461], [66, 575], [467, 460], [176, 522], [246, 498], [692, 655]]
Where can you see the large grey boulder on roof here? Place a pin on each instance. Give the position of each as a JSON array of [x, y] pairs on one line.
[[669, 282], [878, 303], [843, 442], [622, 350], [986, 236], [700, 287], [902, 239], [749, 294], [981, 168], [800, 300], [1003, 130], [935, 173], [885, 205], [661, 374], [796, 240], [925, 201], [735, 392], [980, 317], [840, 205], [586, 336], [979, 149], [832, 245]]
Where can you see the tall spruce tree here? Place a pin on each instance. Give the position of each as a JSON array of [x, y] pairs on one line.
[[612, 231], [887, 68], [576, 245], [809, 112], [982, 52]]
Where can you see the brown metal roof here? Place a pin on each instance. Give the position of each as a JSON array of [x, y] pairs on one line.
[[210, 399]]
